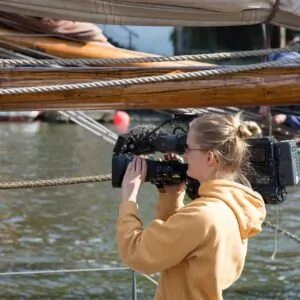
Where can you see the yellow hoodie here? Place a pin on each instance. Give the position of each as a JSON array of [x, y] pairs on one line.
[[199, 248]]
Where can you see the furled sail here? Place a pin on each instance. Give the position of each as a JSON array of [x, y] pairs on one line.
[[71, 30], [285, 13], [79, 31]]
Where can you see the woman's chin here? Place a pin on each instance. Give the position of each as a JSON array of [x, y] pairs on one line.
[[189, 173]]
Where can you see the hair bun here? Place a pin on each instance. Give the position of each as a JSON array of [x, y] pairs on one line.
[[248, 129]]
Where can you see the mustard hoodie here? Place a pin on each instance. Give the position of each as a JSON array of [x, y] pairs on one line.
[[199, 248]]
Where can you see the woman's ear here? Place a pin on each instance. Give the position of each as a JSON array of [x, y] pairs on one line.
[[212, 158]]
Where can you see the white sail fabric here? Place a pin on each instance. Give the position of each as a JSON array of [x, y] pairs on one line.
[[162, 12]]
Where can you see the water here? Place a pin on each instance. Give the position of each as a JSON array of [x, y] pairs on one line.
[[73, 227]]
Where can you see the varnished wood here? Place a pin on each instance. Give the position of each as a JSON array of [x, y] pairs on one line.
[[24, 76], [71, 49], [278, 86]]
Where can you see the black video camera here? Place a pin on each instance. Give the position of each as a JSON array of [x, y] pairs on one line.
[[275, 163]]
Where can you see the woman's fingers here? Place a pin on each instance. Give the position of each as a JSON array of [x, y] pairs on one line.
[[173, 156], [137, 165], [139, 168], [144, 169]]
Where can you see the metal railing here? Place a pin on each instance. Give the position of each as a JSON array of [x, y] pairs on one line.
[[45, 272]]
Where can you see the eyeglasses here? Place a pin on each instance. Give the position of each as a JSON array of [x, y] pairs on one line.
[[188, 149]]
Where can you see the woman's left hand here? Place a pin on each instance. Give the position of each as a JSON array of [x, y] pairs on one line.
[[133, 179]]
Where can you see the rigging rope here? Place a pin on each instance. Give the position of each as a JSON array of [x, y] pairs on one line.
[[90, 124], [282, 231], [147, 79], [102, 178], [195, 57], [53, 182]]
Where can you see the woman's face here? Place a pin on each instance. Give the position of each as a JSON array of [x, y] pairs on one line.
[[202, 164]]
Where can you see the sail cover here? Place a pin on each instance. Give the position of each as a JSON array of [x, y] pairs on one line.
[[285, 13]]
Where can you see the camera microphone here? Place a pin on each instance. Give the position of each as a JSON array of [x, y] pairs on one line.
[[149, 139], [140, 140], [142, 132]]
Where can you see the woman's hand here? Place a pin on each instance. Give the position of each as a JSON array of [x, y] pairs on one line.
[[133, 179]]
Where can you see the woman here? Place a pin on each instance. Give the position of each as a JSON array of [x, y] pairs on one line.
[[199, 248]]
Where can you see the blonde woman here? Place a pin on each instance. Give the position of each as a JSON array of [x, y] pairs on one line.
[[199, 248]]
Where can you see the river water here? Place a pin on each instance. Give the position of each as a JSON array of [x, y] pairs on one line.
[[73, 227]]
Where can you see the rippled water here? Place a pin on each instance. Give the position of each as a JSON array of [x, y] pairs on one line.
[[73, 227]]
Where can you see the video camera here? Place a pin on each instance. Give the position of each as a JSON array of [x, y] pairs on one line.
[[275, 163]]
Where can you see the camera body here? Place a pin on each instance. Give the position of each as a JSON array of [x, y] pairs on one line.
[[158, 172], [275, 164]]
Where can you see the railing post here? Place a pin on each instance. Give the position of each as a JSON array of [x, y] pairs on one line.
[[133, 284]]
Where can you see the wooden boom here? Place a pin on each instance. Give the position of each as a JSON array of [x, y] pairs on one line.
[[276, 86], [265, 87], [63, 48]]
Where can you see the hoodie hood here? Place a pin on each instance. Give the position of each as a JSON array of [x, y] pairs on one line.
[[248, 206]]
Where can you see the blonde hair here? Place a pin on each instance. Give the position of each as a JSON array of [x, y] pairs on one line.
[[226, 137]]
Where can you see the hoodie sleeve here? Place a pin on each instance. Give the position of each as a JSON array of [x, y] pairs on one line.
[[293, 121], [168, 205], [162, 244]]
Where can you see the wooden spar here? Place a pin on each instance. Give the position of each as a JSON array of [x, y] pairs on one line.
[[265, 87], [33, 76], [276, 86], [71, 49]]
